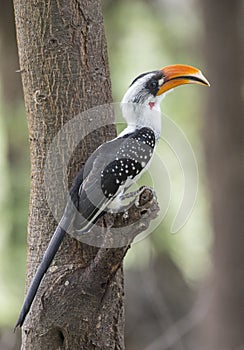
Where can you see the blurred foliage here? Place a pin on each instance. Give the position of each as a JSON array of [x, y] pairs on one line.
[[14, 164], [142, 36]]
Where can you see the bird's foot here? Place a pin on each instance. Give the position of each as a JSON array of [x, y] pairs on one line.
[[136, 200]]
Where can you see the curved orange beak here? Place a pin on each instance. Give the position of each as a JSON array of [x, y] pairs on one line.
[[179, 74]]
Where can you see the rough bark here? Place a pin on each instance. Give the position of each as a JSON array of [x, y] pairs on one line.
[[64, 68], [224, 154]]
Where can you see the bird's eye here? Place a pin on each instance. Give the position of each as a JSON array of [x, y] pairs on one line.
[[153, 84]]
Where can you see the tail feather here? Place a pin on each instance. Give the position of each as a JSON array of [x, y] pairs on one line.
[[48, 257]]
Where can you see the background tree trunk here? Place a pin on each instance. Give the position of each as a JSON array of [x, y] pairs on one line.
[[224, 144], [11, 84], [64, 67]]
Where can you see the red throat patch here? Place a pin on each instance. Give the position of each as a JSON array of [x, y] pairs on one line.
[[151, 105]]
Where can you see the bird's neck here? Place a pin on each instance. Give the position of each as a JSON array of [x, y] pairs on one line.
[[139, 116]]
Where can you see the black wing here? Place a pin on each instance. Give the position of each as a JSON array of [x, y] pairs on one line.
[[110, 169]]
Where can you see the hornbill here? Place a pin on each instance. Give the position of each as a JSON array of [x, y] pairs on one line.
[[114, 166]]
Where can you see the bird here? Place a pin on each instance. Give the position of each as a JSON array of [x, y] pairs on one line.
[[115, 165]]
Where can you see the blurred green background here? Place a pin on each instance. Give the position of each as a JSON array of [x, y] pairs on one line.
[[170, 269]]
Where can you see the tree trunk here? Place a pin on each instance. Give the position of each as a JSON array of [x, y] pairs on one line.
[[64, 67], [224, 154]]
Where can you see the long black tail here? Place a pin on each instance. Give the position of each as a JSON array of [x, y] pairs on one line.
[[49, 254]]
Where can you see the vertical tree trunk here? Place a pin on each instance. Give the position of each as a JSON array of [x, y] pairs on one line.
[[224, 154], [64, 67]]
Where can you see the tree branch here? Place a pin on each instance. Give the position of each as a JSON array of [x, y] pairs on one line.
[[131, 221]]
